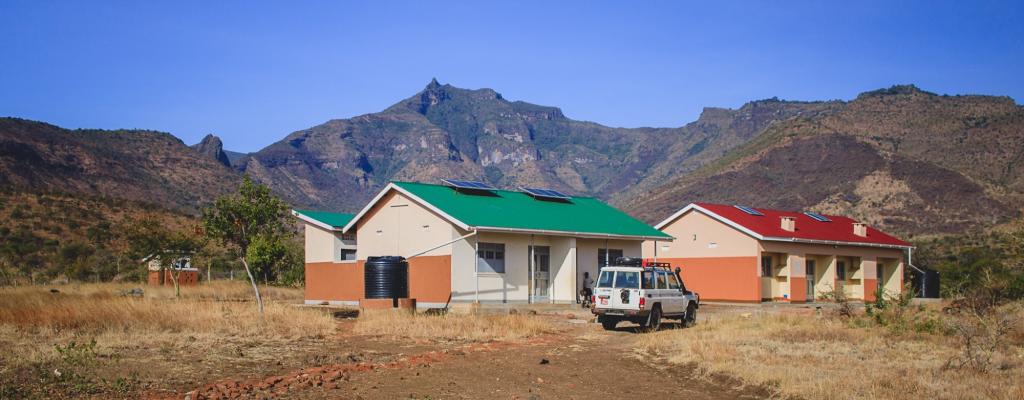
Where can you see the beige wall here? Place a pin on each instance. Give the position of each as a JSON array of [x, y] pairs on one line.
[[586, 255], [569, 258], [698, 235], [398, 226], [323, 245], [513, 285]]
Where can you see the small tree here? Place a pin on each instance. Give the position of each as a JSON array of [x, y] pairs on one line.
[[267, 252], [239, 220]]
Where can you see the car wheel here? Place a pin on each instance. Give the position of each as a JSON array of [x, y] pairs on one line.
[[653, 320], [691, 315], [609, 323]]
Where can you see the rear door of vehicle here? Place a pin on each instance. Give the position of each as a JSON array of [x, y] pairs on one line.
[[624, 294]]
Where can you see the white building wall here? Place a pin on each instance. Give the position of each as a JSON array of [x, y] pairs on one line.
[[398, 226]]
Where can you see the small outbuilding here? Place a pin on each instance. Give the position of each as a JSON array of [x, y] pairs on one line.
[[470, 242], [744, 254], [159, 272]]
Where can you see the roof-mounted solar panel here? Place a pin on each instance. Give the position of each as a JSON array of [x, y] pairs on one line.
[[546, 193], [471, 185], [749, 210], [817, 217]]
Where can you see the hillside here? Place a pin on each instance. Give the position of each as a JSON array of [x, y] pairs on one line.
[[144, 166], [901, 159], [444, 131]]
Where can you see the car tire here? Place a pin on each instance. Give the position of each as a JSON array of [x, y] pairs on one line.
[[690, 319], [609, 323], [653, 322]]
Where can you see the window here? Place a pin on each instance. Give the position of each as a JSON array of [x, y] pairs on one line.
[[348, 236], [841, 270], [766, 266], [647, 282], [347, 255], [673, 282], [662, 283], [606, 279], [611, 256], [490, 258], [627, 280]]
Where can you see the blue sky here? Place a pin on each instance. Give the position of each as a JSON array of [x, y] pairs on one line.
[[253, 72]]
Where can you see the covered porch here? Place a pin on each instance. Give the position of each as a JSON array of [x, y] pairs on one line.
[[809, 275]]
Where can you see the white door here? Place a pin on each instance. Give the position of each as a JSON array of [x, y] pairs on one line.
[[675, 290]]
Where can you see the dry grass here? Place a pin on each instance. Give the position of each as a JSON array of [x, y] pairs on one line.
[[821, 358], [34, 321], [454, 327]]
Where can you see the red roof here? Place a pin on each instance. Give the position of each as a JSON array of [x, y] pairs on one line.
[[840, 229]]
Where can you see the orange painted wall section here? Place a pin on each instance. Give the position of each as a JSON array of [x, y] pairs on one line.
[[870, 286], [334, 281], [720, 278], [797, 289], [430, 278], [186, 278]]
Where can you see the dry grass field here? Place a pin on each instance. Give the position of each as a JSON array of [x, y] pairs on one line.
[[92, 340], [452, 327], [824, 357]]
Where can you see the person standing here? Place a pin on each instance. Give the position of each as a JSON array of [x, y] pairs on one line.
[[587, 291]]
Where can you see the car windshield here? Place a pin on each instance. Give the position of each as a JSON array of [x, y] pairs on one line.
[[627, 280], [605, 279]]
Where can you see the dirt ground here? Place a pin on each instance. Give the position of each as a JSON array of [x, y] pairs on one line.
[[581, 360]]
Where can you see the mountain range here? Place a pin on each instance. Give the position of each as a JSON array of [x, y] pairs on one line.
[[899, 158]]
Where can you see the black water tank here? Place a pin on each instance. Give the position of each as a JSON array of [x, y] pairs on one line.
[[926, 284], [386, 277]]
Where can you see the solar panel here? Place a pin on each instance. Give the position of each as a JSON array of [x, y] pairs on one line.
[[461, 184], [749, 210], [817, 217], [546, 193]]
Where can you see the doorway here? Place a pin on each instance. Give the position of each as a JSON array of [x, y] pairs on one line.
[[540, 283], [811, 279]]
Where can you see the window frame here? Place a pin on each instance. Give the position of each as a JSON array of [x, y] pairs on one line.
[[342, 252], [490, 258]]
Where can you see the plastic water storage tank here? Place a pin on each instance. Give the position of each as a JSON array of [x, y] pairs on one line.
[[386, 277]]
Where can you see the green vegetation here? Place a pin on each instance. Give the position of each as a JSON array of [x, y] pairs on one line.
[[966, 262], [250, 223], [56, 238]]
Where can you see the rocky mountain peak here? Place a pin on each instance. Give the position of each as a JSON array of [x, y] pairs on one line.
[[212, 147], [896, 90]]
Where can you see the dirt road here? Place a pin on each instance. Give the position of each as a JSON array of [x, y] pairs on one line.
[[580, 361]]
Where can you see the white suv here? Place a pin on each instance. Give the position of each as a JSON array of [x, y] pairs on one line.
[[642, 293]]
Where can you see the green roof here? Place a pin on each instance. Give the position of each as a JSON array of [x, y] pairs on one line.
[[332, 219], [520, 211]]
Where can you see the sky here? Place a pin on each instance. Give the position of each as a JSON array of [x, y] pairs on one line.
[[252, 72]]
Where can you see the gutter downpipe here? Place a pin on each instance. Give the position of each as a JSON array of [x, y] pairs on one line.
[[476, 266], [910, 262], [655, 251], [441, 245]]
